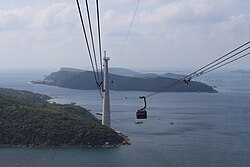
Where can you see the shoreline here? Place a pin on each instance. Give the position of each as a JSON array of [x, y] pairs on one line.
[[126, 141]]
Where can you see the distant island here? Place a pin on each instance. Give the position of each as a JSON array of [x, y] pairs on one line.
[[128, 81], [241, 71], [27, 119]]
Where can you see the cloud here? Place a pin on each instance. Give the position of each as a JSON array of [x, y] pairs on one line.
[[188, 11], [53, 16], [179, 30], [45, 36], [14, 19], [166, 13], [239, 24], [171, 30], [180, 17], [120, 1]]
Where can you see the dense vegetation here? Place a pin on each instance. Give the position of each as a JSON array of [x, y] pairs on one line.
[[84, 80], [27, 119]]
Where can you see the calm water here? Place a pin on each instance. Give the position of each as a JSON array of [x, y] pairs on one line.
[[208, 129]]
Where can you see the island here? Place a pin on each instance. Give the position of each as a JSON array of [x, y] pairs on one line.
[[132, 81], [241, 71], [28, 119]]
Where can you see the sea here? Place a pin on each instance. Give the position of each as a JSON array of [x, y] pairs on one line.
[[182, 129]]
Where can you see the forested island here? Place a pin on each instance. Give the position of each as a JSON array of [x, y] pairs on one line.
[[131, 81], [28, 119]]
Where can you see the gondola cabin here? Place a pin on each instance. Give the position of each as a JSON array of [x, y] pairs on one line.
[[141, 114]]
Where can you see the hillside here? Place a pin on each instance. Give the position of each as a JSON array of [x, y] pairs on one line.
[[85, 81], [131, 73], [123, 71], [27, 119]]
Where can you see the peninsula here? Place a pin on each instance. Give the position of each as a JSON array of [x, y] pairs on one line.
[[28, 119]]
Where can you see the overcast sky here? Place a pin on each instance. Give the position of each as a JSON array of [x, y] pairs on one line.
[[165, 34]]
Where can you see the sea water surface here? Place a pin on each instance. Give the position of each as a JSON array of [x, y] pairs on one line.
[[209, 129]]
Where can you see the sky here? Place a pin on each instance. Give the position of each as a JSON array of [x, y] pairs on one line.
[[165, 34]]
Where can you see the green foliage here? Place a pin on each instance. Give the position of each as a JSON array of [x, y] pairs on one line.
[[27, 119]]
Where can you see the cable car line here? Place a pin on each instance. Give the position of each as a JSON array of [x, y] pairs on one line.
[[218, 63], [223, 60], [214, 65], [221, 57], [92, 40], [95, 70], [99, 38], [86, 37], [130, 27], [225, 63]]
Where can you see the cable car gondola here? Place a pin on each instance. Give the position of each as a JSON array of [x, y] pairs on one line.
[[142, 113]]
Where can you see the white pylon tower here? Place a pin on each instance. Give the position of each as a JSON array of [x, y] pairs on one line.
[[106, 102]]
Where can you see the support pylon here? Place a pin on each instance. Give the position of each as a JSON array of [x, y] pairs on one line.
[[106, 102]]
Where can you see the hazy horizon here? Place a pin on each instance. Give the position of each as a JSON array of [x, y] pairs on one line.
[[184, 71]]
